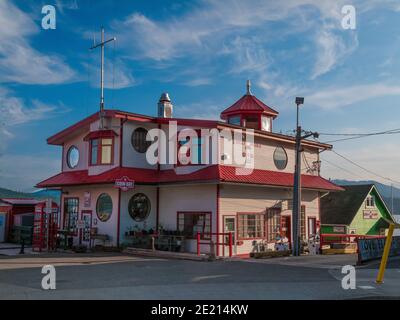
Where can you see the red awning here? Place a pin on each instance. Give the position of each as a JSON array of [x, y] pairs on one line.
[[100, 134], [211, 173]]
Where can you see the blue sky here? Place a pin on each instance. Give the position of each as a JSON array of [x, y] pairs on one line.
[[201, 52]]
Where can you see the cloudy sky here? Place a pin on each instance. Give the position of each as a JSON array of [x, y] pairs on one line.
[[201, 52]]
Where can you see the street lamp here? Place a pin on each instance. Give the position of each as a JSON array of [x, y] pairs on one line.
[[297, 180]]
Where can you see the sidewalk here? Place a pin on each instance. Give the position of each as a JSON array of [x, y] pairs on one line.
[[312, 261], [12, 249]]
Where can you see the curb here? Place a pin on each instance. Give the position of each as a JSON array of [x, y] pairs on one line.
[[165, 254]]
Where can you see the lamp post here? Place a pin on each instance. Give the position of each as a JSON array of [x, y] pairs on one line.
[[297, 181]]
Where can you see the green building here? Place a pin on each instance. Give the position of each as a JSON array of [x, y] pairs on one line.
[[358, 210]]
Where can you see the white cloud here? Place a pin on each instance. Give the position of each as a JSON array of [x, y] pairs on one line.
[[331, 50], [330, 98], [66, 5], [14, 111], [19, 61], [117, 75]]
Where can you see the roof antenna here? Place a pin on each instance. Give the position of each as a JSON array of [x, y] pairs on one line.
[[248, 86], [101, 45]]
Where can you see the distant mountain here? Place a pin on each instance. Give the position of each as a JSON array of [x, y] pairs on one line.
[[384, 190], [41, 194]]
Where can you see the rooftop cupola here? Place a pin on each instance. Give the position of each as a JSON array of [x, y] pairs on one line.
[[250, 112]]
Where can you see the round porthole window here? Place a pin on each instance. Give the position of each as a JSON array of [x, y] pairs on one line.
[[72, 157], [104, 207], [138, 139], [139, 207], [280, 158]]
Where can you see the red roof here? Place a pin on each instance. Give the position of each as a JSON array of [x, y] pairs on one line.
[[21, 201], [276, 178], [248, 103], [211, 173]]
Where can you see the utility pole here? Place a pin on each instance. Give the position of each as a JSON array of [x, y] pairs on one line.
[[297, 181], [101, 45]]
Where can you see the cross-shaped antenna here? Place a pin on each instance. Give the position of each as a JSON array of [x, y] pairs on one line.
[[102, 44]]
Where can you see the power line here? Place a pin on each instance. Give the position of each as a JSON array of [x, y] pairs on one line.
[[341, 168], [365, 169], [359, 135]]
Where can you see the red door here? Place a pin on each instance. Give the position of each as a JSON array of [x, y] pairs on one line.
[[84, 234], [286, 229], [312, 227]]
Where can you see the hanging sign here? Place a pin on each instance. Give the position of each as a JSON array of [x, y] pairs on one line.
[[86, 199], [370, 214], [124, 183]]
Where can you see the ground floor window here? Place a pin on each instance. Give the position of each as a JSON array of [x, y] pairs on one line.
[[273, 224], [189, 223], [251, 225], [71, 209]]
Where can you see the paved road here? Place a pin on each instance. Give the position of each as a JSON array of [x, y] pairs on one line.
[[114, 276]]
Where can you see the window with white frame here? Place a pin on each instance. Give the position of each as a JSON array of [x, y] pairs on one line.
[[251, 225], [370, 201]]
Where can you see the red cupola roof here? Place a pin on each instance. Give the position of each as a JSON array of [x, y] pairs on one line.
[[248, 104]]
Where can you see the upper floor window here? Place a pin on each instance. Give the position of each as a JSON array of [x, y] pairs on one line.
[[252, 122], [138, 140], [72, 157], [280, 158], [193, 152], [101, 151], [234, 120], [370, 202]]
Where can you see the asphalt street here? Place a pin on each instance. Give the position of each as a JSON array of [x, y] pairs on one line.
[[115, 276]]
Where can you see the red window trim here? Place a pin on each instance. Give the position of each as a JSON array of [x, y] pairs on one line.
[[64, 213], [266, 222], [195, 212], [99, 152], [250, 213]]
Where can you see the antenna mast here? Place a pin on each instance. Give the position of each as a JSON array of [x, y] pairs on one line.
[[101, 45]]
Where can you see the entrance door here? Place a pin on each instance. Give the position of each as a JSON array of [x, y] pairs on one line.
[[312, 227], [2, 227], [286, 228], [230, 226], [86, 217]]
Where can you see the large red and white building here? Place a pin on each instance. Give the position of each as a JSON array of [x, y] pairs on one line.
[[107, 182]]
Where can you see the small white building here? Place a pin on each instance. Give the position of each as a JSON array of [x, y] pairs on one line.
[[108, 183]]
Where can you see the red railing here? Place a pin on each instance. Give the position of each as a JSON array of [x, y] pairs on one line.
[[216, 243]]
